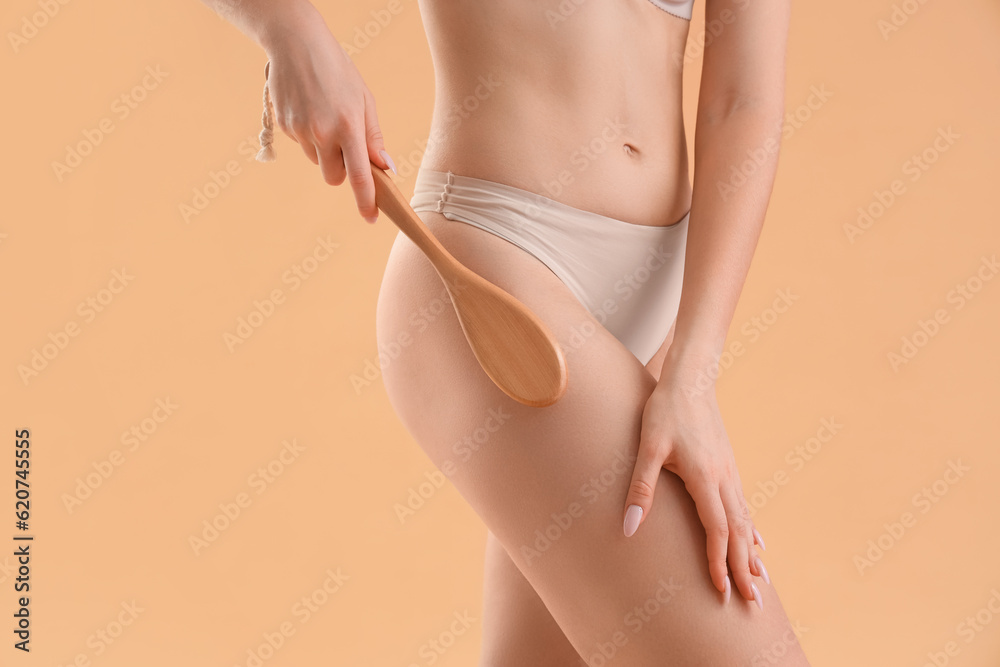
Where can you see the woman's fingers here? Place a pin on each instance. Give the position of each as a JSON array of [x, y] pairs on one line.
[[739, 556], [342, 152], [745, 513], [705, 493], [756, 562], [309, 149], [331, 163], [648, 463], [359, 174], [373, 136], [760, 570], [758, 540]]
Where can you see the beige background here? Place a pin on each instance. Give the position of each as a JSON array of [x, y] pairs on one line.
[[334, 504]]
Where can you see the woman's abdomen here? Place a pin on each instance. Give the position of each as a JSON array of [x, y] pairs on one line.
[[583, 107]]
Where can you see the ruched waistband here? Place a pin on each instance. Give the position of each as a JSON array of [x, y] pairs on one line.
[[435, 190]]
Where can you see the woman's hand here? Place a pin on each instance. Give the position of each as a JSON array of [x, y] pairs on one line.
[[321, 101], [682, 431]]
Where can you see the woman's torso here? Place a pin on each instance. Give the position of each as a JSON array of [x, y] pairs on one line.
[[577, 100]]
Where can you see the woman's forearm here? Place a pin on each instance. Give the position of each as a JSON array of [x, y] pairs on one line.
[[736, 159], [265, 21]]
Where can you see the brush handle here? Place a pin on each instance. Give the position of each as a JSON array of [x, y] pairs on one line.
[[394, 204]]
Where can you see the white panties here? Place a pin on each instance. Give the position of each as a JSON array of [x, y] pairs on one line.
[[628, 276]]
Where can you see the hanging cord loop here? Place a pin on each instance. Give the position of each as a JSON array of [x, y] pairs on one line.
[[266, 152]]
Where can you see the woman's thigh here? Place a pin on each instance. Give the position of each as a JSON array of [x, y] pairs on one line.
[[518, 630], [550, 482]]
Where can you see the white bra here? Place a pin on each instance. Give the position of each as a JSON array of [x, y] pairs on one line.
[[681, 8]]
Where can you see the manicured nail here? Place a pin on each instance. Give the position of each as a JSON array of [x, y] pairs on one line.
[[727, 591], [760, 540], [388, 161], [756, 596], [763, 570], [632, 516]]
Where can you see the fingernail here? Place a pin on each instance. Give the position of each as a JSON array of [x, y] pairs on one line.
[[763, 570], [632, 516], [760, 540], [756, 596], [727, 591], [371, 220], [388, 160]]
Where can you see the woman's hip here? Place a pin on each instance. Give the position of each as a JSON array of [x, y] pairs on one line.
[[627, 276]]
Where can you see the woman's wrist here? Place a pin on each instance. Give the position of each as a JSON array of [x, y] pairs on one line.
[[692, 363], [267, 22], [285, 22]]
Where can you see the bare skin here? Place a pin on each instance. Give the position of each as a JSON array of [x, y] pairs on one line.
[[581, 105], [539, 462]]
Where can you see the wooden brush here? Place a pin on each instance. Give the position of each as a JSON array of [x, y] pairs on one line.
[[514, 347]]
